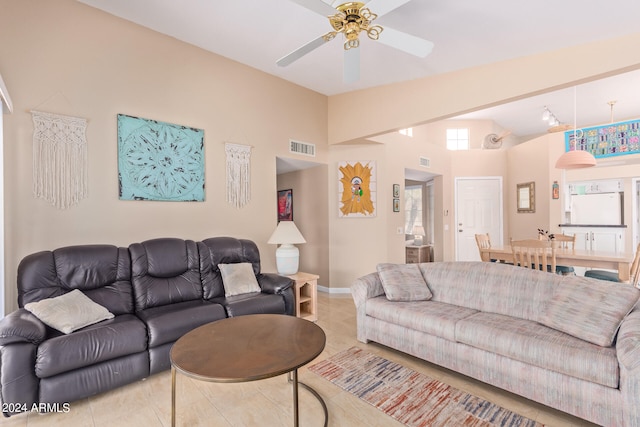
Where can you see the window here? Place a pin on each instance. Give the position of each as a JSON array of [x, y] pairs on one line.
[[412, 208], [457, 139], [419, 210]]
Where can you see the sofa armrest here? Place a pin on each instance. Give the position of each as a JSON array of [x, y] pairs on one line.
[[272, 283], [628, 351], [22, 326], [366, 287], [628, 344], [362, 289]]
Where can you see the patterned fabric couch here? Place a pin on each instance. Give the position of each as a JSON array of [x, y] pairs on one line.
[[569, 342]]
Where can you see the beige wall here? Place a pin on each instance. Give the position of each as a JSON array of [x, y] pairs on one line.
[[447, 95], [310, 213], [527, 162], [535, 161], [431, 99], [67, 58]]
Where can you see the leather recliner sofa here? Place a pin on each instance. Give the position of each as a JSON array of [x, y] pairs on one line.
[[158, 290]]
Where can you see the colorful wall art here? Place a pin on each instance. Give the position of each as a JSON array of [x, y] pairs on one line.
[[159, 161], [357, 189], [614, 139], [285, 205]]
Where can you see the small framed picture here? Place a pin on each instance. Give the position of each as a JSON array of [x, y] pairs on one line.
[[285, 205], [396, 191], [396, 205]]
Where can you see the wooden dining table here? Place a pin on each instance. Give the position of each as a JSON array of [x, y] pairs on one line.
[[620, 261]]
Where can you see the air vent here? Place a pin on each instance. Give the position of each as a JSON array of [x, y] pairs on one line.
[[302, 148], [424, 162]]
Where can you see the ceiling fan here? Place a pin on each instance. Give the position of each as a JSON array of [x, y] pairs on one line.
[[351, 19], [494, 141]]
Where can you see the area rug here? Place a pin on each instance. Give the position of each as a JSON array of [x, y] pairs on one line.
[[410, 397]]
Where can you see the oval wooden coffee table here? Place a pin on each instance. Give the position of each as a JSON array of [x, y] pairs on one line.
[[248, 348]]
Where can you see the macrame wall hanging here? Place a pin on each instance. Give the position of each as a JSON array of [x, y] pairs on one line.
[[59, 159], [238, 174]]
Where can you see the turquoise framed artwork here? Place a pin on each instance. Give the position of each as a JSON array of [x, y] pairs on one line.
[[615, 139], [159, 161]]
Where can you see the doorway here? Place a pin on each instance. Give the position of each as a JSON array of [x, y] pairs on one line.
[[478, 210], [419, 211]]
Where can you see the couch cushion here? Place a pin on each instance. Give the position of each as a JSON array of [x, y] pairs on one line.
[[68, 312], [238, 278], [538, 345], [505, 289], [102, 272], [169, 322], [589, 309], [253, 303], [120, 336], [403, 282], [224, 250], [431, 317], [165, 271]]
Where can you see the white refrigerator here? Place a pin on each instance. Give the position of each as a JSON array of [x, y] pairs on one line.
[[597, 209]]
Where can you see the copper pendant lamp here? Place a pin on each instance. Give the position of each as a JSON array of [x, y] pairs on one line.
[[575, 159]]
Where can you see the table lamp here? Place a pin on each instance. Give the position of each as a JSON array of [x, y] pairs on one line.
[[287, 255], [418, 234]]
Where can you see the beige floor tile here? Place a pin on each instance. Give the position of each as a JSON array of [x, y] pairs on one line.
[[269, 403], [14, 421]]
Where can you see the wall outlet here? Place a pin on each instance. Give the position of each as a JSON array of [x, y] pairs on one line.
[[399, 230]]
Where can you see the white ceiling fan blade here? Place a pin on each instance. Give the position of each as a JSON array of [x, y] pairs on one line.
[[304, 49], [351, 65], [406, 42], [382, 7], [318, 6]]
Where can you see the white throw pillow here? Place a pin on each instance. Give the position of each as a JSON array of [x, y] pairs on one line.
[[69, 312], [403, 282], [238, 279]]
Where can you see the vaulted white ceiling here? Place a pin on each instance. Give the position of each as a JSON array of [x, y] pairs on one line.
[[466, 33]]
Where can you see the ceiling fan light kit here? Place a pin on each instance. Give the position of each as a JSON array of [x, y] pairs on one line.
[[575, 159], [350, 19]]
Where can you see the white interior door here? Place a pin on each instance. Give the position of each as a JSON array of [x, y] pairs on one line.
[[478, 210]]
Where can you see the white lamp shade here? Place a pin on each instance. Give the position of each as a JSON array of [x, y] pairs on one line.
[[418, 230], [287, 255], [286, 232], [575, 159]]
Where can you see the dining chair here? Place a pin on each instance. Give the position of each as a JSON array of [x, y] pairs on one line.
[[565, 241], [612, 276], [535, 254], [484, 242]]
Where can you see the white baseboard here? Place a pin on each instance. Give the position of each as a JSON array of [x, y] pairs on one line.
[[334, 290]]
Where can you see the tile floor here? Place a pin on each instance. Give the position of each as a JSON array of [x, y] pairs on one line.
[[269, 403]]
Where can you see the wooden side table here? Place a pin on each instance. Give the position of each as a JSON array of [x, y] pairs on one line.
[[306, 289], [416, 254]]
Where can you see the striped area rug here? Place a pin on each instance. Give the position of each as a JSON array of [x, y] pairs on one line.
[[410, 397]]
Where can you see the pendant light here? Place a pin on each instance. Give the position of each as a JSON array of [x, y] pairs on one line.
[[575, 159]]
